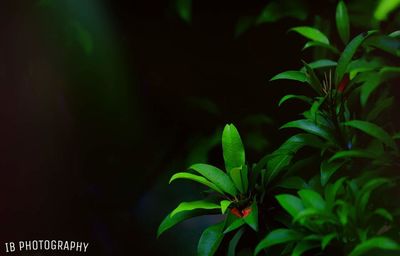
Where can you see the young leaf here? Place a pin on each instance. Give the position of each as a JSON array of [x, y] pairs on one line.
[[348, 54], [233, 243], [216, 176], [378, 242], [278, 236], [232, 148], [200, 179], [169, 221], [372, 130], [291, 75], [252, 218], [210, 240], [189, 206], [311, 33], [292, 204], [224, 205], [342, 22], [312, 199], [328, 169]]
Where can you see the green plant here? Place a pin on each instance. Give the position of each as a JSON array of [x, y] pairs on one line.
[[233, 190], [337, 196]]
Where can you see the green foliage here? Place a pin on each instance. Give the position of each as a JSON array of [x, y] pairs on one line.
[[210, 240], [337, 197], [385, 7], [312, 34]]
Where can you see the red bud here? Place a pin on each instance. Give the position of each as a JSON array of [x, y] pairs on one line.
[[236, 212], [246, 211], [342, 85]]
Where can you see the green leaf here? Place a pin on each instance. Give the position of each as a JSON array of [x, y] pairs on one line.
[[312, 199], [324, 63], [385, 43], [352, 154], [252, 218], [292, 204], [331, 191], [277, 163], [236, 177], [372, 130], [210, 240], [378, 242], [384, 8], [311, 33], [361, 65], [312, 44], [328, 169], [233, 243], [310, 127], [303, 246], [188, 206], [169, 221], [216, 176], [245, 178], [278, 236], [368, 87], [237, 223], [292, 96], [327, 239], [190, 176], [342, 22], [282, 157], [232, 147], [348, 54], [224, 205], [293, 182], [291, 75], [343, 213]]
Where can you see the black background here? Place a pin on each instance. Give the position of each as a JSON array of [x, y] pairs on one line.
[[87, 145]]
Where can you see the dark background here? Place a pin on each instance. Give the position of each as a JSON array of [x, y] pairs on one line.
[[101, 101]]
